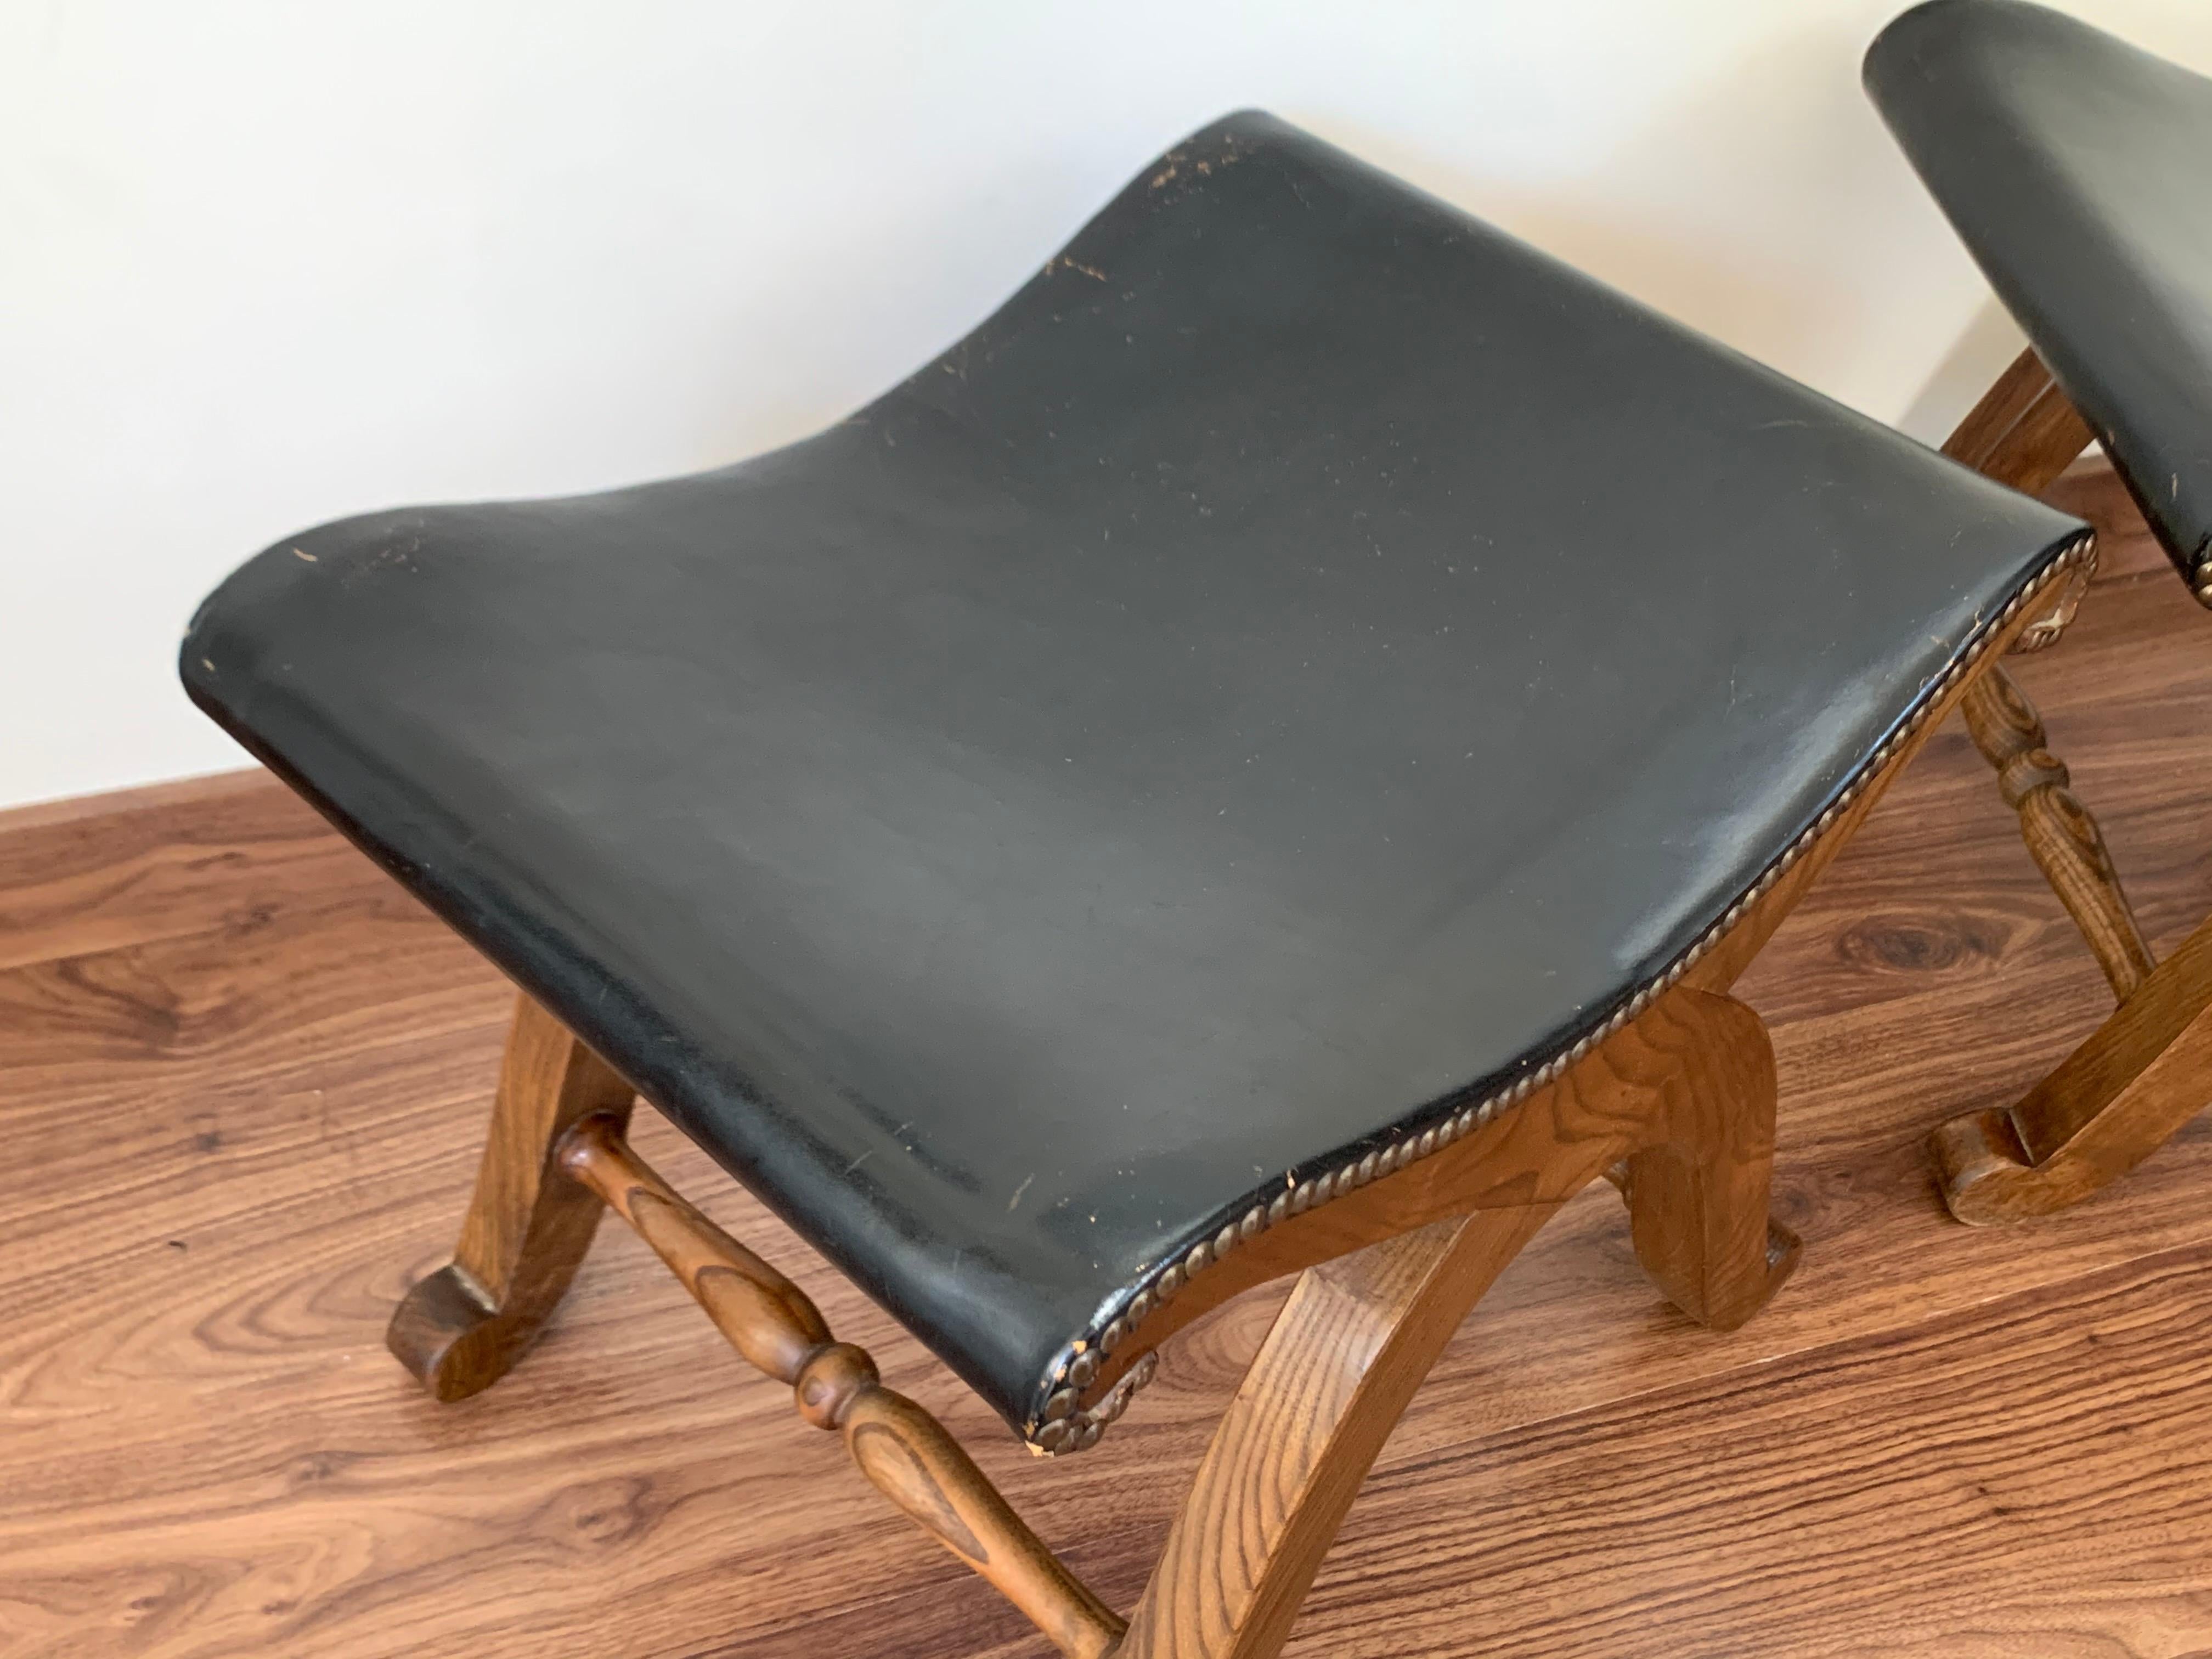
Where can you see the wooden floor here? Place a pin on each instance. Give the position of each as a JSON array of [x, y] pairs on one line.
[[242, 1080]]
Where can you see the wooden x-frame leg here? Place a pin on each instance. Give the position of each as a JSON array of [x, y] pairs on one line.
[[1679, 1106], [2143, 1074]]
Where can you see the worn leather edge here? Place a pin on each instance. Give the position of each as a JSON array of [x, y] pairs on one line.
[[1061, 1421]]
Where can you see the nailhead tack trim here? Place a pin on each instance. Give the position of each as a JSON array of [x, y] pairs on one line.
[[1060, 1428]]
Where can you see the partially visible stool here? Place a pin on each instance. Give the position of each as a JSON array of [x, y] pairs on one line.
[[2079, 172], [1265, 759]]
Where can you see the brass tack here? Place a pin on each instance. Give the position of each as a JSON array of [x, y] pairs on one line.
[[1280, 1208], [1197, 1261], [1060, 1404], [1053, 1436], [1225, 1241], [1367, 1168], [1302, 1199], [1143, 1374], [1083, 1371], [1255, 1220], [1424, 1143], [1089, 1437], [1139, 1306], [1110, 1339], [1168, 1283], [1324, 1187]]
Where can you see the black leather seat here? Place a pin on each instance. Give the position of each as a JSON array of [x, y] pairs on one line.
[[2079, 171], [1302, 662]]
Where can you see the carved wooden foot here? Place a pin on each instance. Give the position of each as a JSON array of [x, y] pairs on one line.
[[2062, 836], [1698, 1194], [2114, 1101], [528, 1225]]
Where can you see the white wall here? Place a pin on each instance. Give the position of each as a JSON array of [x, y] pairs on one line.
[[265, 264]]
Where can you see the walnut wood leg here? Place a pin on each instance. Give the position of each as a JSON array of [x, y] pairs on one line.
[[903, 1449], [2110, 1104], [1348, 1350], [2125, 1090], [2024, 433], [462, 1328], [1698, 1193], [2061, 835]]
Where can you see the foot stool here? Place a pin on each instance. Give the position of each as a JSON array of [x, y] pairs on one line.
[[1265, 759], [2079, 172]]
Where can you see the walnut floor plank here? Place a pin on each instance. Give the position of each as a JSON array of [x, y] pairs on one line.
[[243, 1080], [2033, 1477], [147, 864]]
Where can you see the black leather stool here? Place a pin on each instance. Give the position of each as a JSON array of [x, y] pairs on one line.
[[1264, 758], [2079, 172]]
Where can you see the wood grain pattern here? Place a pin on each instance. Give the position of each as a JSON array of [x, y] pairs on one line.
[[1698, 1194], [1939, 1440], [1923, 1492], [164, 862], [1355, 1339]]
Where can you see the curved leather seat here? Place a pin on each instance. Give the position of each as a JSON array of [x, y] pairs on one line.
[[2079, 171], [1303, 660]]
